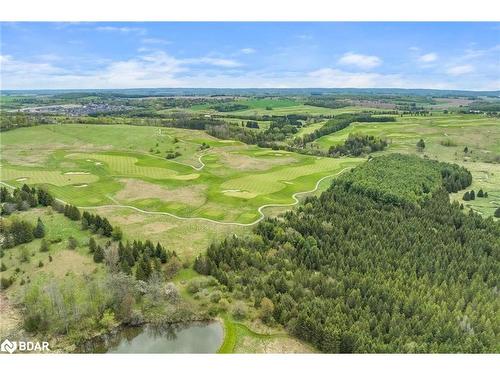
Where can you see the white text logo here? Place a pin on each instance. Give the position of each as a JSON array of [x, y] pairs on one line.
[[24, 346]]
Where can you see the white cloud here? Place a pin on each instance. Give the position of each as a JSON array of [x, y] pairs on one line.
[[328, 77], [155, 41], [428, 57], [459, 70], [224, 63], [159, 69], [361, 61], [124, 30], [247, 51]]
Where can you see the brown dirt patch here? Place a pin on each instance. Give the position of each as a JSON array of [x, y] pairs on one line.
[[137, 189]]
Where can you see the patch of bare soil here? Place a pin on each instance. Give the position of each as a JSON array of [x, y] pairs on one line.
[[137, 189]]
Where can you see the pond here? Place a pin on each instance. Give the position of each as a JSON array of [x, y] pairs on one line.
[[195, 337]]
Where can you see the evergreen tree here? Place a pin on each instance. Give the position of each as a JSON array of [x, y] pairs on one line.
[[472, 195], [39, 230], [421, 145], [99, 254], [92, 245], [21, 231], [480, 193], [44, 198], [466, 196]]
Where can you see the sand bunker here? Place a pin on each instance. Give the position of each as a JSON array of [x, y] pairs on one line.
[[237, 193], [22, 179], [77, 173], [81, 186]]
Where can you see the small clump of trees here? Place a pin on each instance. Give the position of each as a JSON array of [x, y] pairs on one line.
[[358, 144]]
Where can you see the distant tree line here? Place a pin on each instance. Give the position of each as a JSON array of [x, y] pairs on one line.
[[326, 102]]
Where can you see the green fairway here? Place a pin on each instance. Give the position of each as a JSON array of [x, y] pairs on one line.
[[111, 165]]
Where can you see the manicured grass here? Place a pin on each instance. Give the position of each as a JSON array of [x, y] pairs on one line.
[[92, 169]]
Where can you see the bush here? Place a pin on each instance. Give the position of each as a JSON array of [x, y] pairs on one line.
[[5, 282], [266, 310], [215, 297], [239, 310], [24, 255], [117, 234], [72, 243], [44, 246], [497, 212], [172, 267]]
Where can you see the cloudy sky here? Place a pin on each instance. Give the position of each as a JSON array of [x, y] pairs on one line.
[[144, 55]]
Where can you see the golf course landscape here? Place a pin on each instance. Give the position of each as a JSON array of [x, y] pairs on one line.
[[180, 184]]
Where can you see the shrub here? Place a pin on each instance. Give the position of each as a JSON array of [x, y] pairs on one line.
[[239, 310], [5, 282], [72, 243], [44, 246]]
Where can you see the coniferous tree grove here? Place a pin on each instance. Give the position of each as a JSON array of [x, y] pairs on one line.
[[354, 272]]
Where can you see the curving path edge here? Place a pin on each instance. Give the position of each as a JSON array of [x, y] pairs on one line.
[[262, 216]]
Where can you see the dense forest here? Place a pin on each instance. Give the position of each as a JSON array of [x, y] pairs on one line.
[[353, 272], [404, 179]]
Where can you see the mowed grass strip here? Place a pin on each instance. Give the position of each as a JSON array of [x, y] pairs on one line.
[[56, 178], [128, 166], [270, 182]]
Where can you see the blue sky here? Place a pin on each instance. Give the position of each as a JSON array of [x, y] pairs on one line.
[[136, 55]]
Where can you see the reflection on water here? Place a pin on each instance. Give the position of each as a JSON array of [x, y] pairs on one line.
[[195, 337]]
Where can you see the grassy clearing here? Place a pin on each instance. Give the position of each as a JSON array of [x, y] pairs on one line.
[[187, 238], [64, 260], [239, 338]]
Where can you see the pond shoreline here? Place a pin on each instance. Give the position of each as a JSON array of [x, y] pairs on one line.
[[105, 339]]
